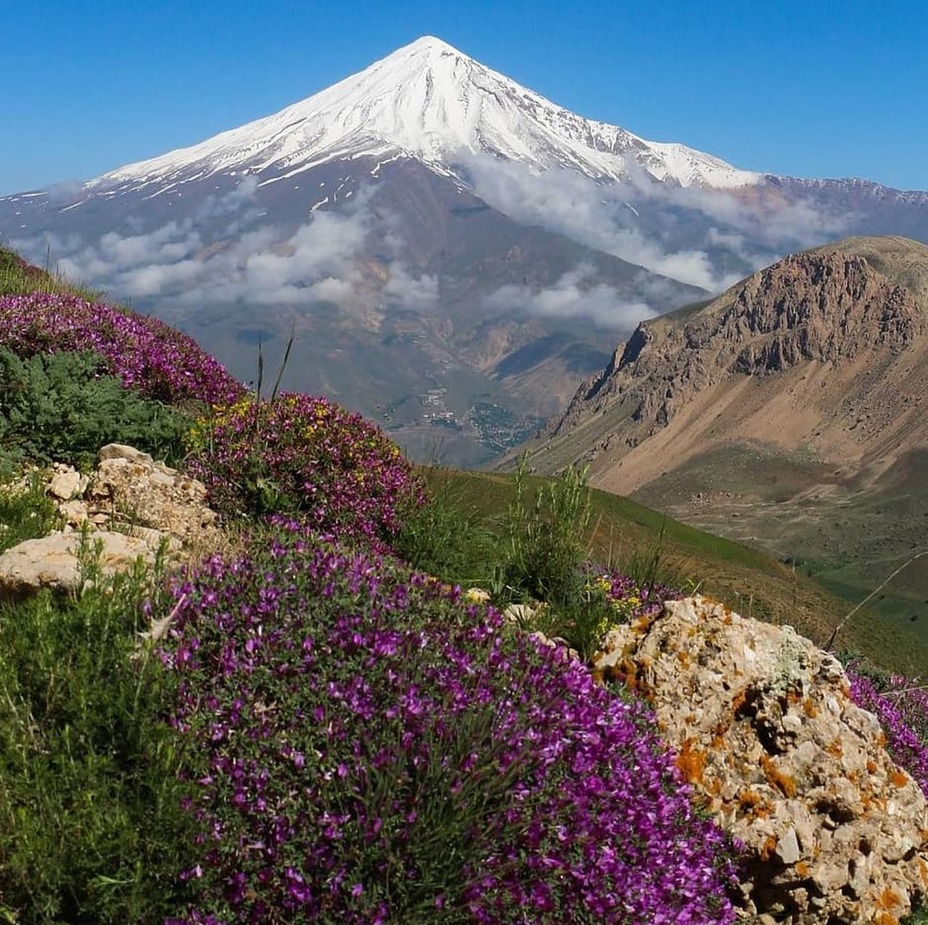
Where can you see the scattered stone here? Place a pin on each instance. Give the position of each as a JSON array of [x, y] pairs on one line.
[[766, 733], [556, 642], [129, 489], [520, 614], [66, 483], [477, 596], [74, 512], [129, 486], [53, 561], [131, 504], [128, 453]]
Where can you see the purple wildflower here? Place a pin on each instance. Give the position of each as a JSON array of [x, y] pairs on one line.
[[449, 769]]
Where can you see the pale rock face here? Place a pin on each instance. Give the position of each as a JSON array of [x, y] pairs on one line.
[[53, 561], [66, 483], [767, 734], [129, 485], [131, 505]]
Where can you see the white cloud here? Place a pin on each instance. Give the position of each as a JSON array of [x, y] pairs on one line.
[[321, 260], [418, 293], [570, 298], [705, 238]]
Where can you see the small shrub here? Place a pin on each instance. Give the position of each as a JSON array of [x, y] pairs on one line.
[[604, 601], [62, 408], [305, 457], [91, 830], [546, 532], [368, 749], [143, 353], [442, 535]]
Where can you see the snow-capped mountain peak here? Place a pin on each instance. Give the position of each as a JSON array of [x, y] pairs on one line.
[[429, 101]]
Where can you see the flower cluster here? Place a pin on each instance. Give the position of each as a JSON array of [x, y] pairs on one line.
[[901, 706], [627, 599], [630, 599], [366, 747], [144, 353], [304, 456]]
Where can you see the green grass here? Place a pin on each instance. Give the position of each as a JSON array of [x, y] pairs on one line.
[[629, 536], [25, 512], [20, 278], [91, 827]]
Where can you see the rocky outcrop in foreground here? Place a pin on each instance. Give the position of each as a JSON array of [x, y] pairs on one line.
[[768, 736], [130, 507]]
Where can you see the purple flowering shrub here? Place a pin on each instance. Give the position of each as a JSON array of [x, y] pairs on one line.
[[901, 706], [306, 457], [631, 599], [144, 353], [364, 747]]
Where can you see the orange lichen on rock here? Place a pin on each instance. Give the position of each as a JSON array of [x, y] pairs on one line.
[[887, 899], [691, 762], [753, 804], [768, 847], [899, 778], [811, 710], [642, 624], [776, 778]]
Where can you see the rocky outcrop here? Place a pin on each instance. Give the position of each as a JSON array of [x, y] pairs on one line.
[[827, 305], [768, 736], [128, 488], [130, 505]]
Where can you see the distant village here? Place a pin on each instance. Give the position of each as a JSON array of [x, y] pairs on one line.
[[497, 427]]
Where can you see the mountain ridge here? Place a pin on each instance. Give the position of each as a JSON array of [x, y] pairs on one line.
[[430, 101], [827, 305]]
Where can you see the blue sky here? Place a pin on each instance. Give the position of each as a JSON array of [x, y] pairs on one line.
[[815, 88]]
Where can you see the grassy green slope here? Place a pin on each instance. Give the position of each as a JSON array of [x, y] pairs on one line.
[[629, 536]]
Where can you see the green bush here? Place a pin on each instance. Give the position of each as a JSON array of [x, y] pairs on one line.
[[63, 407], [546, 533], [444, 536], [25, 513], [91, 829]]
